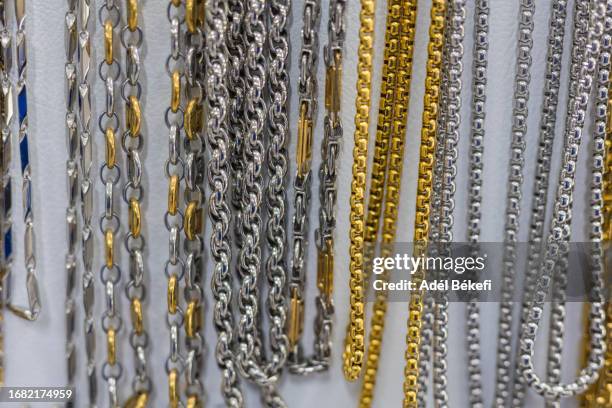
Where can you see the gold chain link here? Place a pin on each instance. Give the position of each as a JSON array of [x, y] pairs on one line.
[[423, 201], [354, 343], [388, 165]]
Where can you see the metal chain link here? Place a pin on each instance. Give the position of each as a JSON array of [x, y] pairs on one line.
[[109, 71], [557, 241], [174, 170], [480, 57], [86, 157], [72, 173], [132, 142], [412, 379], [548, 121], [513, 201], [354, 343], [302, 181]]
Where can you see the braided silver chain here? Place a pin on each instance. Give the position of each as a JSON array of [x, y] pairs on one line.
[[72, 172], [548, 120], [480, 56], [251, 362], [132, 142], [174, 170], [558, 239], [110, 223], [86, 155], [513, 200]]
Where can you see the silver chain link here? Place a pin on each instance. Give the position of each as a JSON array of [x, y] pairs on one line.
[[558, 239]]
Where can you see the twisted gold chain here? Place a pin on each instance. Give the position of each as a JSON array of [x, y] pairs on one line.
[[423, 201], [354, 343]]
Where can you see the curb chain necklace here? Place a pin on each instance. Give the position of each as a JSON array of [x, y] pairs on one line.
[[110, 175], [423, 199], [548, 120], [307, 90], [194, 199], [388, 166], [174, 170], [513, 200], [86, 156], [72, 173], [251, 361], [479, 85], [354, 344], [557, 241], [132, 141]]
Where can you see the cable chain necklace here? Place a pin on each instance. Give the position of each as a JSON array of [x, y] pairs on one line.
[[513, 200], [110, 175], [354, 343], [72, 173], [480, 57], [412, 380], [302, 181], [251, 361], [558, 239], [194, 198], [548, 120], [132, 141], [86, 156], [174, 170]]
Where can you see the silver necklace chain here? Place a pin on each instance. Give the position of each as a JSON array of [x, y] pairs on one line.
[[558, 238], [86, 156], [479, 84], [513, 200], [548, 120], [72, 172]]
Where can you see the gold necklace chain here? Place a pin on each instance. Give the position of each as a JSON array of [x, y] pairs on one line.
[[354, 343], [423, 201], [388, 165]]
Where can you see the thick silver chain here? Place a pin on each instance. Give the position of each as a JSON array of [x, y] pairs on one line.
[[110, 223], [548, 120], [513, 200], [174, 170], [72, 173], [132, 142], [251, 361], [86, 156], [302, 181], [558, 239], [480, 57]]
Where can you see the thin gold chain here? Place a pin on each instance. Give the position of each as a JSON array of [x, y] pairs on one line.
[[423, 201], [388, 164], [354, 343]]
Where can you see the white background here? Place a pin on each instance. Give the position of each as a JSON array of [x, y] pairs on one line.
[[35, 351]]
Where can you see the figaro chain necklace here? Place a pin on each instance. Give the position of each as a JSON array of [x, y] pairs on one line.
[[132, 142], [110, 175], [557, 242], [174, 170]]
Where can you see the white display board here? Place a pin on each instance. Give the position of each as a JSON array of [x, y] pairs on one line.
[[35, 352]]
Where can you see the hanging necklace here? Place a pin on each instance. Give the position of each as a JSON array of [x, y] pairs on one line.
[[354, 349], [194, 199], [513, 199], [132, 142], [479, 85], [86, 156], [72, 172], [547, 125], [110, 175], [423, 203], [174, 170], [251, 361], [558, 239]]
